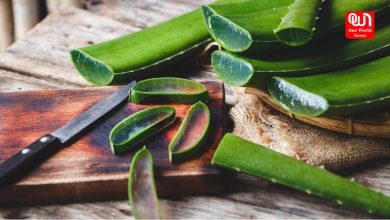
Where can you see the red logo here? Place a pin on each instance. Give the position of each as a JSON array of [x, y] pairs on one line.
[[359, 25]]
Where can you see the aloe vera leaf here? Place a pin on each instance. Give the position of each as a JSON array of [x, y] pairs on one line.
[[139, 126], [142, 188], [298, 25], [255, 70], [244, 156], [192, 133], [343, 92], [144, 52], [122, 59], [168, 90], [242, 26]]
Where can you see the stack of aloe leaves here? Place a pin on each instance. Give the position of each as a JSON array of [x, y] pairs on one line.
[[293, 48]]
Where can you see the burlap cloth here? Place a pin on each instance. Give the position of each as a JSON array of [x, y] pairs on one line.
[[256, 121]]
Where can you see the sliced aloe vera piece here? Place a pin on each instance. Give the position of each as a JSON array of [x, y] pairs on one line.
[[142, 188], [250, 25], [243, 156], [298, 25], [192, 133], [139, 126], [255, 70], [343, 92], [168, 90]]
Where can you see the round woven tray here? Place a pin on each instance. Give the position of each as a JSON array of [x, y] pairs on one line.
[[372, 124]]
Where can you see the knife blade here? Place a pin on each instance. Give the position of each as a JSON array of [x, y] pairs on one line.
[[48, 144]]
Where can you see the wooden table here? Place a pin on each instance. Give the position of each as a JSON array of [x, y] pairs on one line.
[[41, 61]]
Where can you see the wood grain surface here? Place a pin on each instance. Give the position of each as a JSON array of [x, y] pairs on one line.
[[43, 56]]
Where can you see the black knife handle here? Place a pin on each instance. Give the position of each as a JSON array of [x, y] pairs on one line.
[[24, 160]]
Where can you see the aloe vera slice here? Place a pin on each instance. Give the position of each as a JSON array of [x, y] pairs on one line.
[[142, 188], [139, 126], [250, 25], [255, 70], [298, 25], [243, 156], [343, 92], [168, 90], [192, 133]]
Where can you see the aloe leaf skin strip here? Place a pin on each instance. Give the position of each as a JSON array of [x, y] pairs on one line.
[[142, 188], [132, 56], [298, 25], [168, 90], [255, 70], [240, 27], [344, 92], [191, 135], [243, 156], [139, 126]]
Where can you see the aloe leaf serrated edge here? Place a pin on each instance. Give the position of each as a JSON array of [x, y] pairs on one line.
[[243, 156]]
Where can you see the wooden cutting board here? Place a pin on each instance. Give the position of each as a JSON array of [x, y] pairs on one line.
[[87, 170]]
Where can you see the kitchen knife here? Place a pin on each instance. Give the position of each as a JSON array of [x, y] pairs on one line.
[[46, 145]]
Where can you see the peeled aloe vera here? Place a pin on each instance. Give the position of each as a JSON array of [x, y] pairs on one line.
[[255, 70], [241, 155], [298, 25], [139, 126], [347, 91], [142, 188], [192, 133], [168, 90], [250, 25]]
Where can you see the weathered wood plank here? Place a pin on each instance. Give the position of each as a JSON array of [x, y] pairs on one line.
[[11, 81]]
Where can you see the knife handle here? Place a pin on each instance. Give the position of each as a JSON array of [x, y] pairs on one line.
[[24, 160]]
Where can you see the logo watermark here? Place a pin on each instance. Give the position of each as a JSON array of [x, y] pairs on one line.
[[359, 25]]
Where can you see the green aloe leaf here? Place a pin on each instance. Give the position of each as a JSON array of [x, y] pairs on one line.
[[241, 155], [139, 126], [122, 59], [255, 70], [168, 90], [192, 133], [250, 25], [144, 52], [298, 25], [142, 188], [347, 91]]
